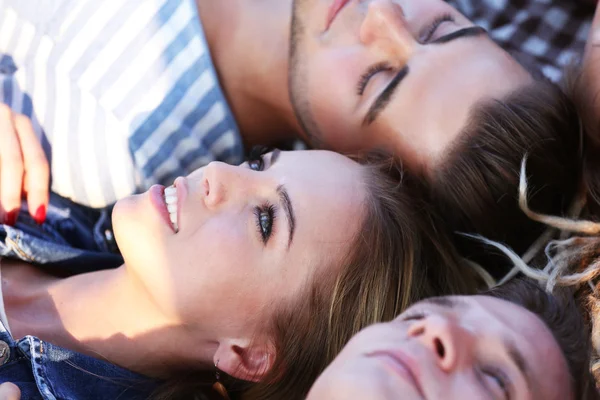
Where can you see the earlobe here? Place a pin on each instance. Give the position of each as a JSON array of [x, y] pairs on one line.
[[248, 361]]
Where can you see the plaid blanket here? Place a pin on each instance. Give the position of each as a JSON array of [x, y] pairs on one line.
[[544, 35]]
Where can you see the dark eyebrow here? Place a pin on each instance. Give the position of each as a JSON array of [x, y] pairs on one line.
[[288, 209], [274, 156], [442, 301], [517, 357], [471, 31], [384, 98]]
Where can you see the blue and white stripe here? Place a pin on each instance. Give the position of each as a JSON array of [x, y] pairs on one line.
[[123, 94]]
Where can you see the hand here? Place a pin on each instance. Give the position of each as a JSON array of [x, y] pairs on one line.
[[24, 170], [9, 391]]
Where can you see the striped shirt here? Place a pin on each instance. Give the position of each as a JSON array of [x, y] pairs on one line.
[[122, 93]]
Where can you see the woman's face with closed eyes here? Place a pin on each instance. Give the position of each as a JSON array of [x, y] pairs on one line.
[[248, 237], [464, 347]]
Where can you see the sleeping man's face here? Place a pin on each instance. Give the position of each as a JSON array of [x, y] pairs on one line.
[[462, 347], [402, 75]]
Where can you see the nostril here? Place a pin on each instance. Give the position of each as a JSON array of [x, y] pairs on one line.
[[439, 348], [206, 188]]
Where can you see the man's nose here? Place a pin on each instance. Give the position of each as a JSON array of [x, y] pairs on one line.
[[223, 182], [449, 342], [385, 28]]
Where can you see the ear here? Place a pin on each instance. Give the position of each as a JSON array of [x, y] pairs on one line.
[[245, 359]]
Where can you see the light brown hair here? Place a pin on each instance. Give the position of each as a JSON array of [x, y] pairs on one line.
[[398, 257]]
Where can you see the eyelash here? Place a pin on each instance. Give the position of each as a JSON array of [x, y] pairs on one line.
[[264, 215], [366, 77], [266, 211], [428, 33], [415, 316], [500, 377], [384, 66], [256, 156]]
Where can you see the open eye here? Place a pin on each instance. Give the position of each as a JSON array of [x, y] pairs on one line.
[[256, 160], [256, 164], [265, 216]]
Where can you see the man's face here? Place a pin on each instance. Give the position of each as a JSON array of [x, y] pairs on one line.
[[465, 347], [402, 75]]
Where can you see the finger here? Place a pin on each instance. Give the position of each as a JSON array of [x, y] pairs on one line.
[[11, 167], [9, 391], [36, 169]]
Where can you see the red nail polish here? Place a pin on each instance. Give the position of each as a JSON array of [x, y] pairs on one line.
[[11, 218], [40, 215]]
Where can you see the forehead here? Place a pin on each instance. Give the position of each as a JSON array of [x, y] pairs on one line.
[[433, 103], [328, 194], [547, 365]]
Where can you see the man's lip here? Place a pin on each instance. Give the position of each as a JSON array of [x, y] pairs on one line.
[[334, 9], [404, 366]]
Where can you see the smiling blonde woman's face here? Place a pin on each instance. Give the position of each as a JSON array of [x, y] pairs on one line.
[[467, 348], [399, 74]]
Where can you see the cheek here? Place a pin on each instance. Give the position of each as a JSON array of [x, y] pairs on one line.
[[332, 82]]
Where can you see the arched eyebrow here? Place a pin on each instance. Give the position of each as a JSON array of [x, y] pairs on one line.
[[286, 202], [386, 95], [288, 209]]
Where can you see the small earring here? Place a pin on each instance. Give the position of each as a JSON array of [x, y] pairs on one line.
[[218, 386]]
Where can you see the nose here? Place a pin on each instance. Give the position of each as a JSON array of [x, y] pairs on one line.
[[385, 27], [223, 182], [447, 340]]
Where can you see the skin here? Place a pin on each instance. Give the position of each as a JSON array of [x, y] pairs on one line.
[[452, 349], [588, 86], [431, 104], [421, 122], [207, 293]]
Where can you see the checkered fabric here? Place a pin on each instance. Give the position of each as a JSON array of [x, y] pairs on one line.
[[544, 35]]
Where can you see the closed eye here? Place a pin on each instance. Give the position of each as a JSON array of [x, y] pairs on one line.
[[496, 382], [427, 34], [370, 73]]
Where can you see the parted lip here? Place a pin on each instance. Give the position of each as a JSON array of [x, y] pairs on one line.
[[404, 365], [334, 10]]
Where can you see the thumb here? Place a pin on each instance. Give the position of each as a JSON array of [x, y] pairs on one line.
[[9, 391]]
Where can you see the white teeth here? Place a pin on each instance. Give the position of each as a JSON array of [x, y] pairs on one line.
[[171, 200]]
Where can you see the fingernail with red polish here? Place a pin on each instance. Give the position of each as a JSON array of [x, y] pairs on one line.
[[40, 215], [11, 218]]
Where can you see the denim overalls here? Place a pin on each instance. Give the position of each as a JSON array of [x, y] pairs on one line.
[[73, 239]]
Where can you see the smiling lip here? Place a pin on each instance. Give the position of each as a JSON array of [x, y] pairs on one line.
[[402, 366], [157, 198], [335, 8]]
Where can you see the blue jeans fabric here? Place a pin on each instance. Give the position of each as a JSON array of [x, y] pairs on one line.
[[74, 239]]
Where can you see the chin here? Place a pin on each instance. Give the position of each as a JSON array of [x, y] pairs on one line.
[[137, 230]]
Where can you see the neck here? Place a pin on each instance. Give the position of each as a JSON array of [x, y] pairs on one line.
[[105, 314], [249, 42]]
